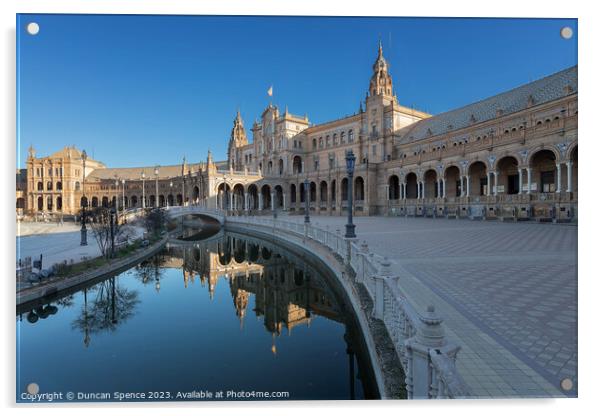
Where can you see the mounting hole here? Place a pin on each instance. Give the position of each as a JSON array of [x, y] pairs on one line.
[[33, 28], [566, 384], [33, 388], [566, 32]]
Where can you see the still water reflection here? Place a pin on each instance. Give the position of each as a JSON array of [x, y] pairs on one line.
[[225, 314]]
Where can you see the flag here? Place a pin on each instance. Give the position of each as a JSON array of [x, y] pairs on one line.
[[270, 91]]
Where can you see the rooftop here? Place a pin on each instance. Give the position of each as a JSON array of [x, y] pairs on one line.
[[537, 92]]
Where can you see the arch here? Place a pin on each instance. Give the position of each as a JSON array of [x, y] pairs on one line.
[[312, 191], [573, 153], [534, 151], [297, 165], [411, 185], [452, 181], [59, 186], [430, 183], [280, 167], [302, 192], [323, 191], [94, 202], [105, 202], [266, 196], [507, 181], [477, 174], [152, 200], [223, 196], [196, 193], [333, 191], [126, 202], [293, 193], [59, 203], [253, 196], [135, 201], [238, 197], [393, 187], [49, 204], [543, 170], [358, 188], [83, 202], [179, 200], [278, 197], [344, 189], [170, 200], [40, 203], [161, 200], [77, 186], [40, 186], [270, 166], [49, 186], [20, 203]]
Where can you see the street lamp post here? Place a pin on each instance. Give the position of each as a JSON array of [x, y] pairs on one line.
[[306, 191], [143, 176], [170, 191], [117, 197], [350, 227], [123, 196], [84, 230], [157, 186]]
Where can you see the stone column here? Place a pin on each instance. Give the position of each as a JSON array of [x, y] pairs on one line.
[[283, 201], [528, 180], [384, 273], [260, 201], [488, 183], [246, 201], [405, 190], [231, 200], [387, 192], [569, 176], [495, 175], [467, 185], [558, 177], [520, 180], [443, 187], [272, 201], [401, 190], [461, 185]]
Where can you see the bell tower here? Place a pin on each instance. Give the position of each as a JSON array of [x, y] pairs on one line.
[[238, 138], [381, 82]]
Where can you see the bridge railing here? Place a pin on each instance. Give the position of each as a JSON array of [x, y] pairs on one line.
[[428, 359]]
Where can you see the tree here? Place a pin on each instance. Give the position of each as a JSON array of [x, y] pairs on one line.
[[105, 229], [155, 221]]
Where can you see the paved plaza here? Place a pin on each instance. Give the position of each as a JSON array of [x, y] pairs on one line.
[[507, 292]]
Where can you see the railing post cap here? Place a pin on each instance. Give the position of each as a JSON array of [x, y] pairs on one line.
[[431, 332]]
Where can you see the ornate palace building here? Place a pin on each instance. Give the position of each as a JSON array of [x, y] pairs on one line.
[[513, 155]]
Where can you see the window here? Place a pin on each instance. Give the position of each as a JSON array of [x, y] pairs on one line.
[[350, 136], [335, 139], [314, 143], [547, 181]]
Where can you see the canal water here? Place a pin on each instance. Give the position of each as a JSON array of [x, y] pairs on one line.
[[228, 313]]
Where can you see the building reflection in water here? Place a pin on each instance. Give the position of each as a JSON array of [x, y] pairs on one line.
[[280, 289]]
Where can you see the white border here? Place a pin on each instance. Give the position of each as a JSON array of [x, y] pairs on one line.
[[589, 228]]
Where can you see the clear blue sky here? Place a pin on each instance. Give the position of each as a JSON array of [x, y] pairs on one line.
[[146, 90]]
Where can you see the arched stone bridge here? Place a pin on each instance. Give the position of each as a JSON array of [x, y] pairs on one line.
[[178, 211]]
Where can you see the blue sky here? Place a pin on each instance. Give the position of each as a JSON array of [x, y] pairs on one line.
[[146, 90]]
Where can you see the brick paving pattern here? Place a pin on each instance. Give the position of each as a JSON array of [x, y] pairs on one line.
[[507, 292]]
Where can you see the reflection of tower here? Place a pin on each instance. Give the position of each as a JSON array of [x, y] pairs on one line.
[[240, 298]]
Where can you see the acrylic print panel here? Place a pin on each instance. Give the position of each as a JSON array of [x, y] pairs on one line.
[[295, 208]]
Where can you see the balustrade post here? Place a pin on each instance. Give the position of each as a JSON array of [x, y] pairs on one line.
[[384, 273], [429, 335]]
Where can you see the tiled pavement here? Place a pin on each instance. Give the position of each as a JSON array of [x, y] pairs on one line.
[[507, 292]]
